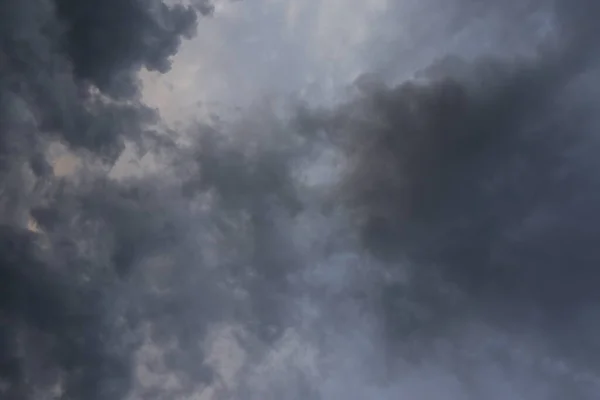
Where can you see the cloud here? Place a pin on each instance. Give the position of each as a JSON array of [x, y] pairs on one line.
[[431, 239], [69, 75], [480, 172]]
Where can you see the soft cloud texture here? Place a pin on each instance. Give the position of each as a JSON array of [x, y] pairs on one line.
[[331, 200]]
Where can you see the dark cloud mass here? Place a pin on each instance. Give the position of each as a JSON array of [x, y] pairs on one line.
[[68, 73], [482, 174], [468, 199], [108, 41]]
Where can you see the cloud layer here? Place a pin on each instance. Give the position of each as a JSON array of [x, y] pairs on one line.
[[430, 239]]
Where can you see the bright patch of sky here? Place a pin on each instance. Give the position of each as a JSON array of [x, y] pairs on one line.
[[252, 49]]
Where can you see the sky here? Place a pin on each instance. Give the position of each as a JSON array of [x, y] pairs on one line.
[[299, 200], [316, 49]]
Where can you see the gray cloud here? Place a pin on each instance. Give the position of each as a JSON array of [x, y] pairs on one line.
[[483, 172], [457, 249], [68, 74]]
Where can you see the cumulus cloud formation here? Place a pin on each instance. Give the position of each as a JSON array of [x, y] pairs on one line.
[[430, 239], [481, 167]]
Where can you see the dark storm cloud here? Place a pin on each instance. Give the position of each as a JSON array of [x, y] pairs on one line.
[[119, 265], [107, 42], [46, 322], [485, 172], [482, 172], [68, 73], [154, 260], [480, 177], [54, 55]]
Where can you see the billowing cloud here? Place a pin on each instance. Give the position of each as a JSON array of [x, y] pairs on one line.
[[69, 75], [432, 238], [480, 174]]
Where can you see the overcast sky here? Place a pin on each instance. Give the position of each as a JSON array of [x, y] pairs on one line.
[[271, 47], [314, 49], [375, 199]]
